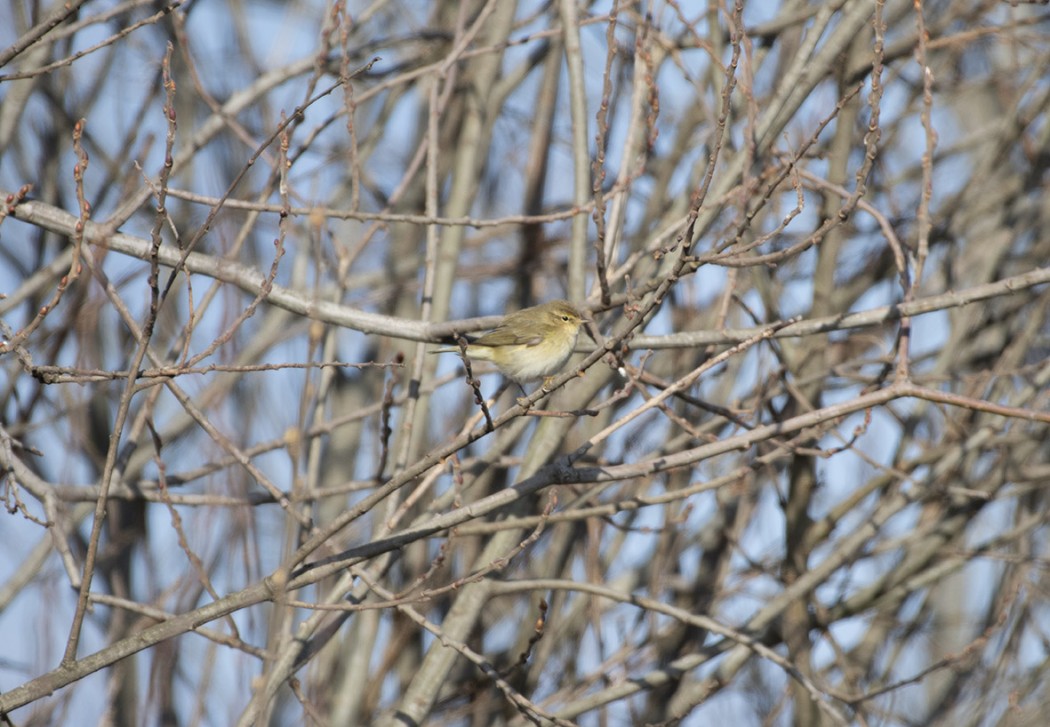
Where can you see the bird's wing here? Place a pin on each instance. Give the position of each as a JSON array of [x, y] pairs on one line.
[[502, 336]]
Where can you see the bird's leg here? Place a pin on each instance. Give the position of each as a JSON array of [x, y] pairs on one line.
[[523, 400]]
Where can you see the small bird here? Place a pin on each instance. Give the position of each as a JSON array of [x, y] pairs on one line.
[[529, 344]]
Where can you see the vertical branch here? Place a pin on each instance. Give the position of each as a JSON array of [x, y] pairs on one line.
[[73, 640], [598, 167], [922, 217], [345, 21], [109, 471], [580, 156]]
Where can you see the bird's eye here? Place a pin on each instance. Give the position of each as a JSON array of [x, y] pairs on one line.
[[565, 318]]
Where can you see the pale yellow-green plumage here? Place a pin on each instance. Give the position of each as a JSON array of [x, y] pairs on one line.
[[529, 344]]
